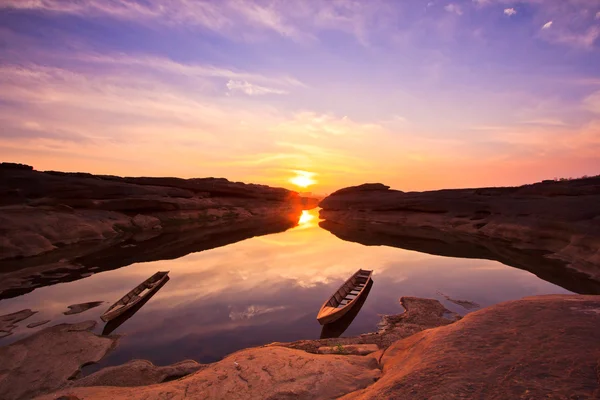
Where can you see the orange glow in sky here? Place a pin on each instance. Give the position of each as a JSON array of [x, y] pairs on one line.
[[303, 179], [453, 95]]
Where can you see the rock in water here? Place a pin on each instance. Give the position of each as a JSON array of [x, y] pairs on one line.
[[8, 322], [44, 361], [79, 308], [38, 323]]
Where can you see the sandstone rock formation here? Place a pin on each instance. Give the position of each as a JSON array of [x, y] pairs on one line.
[[138, 373], [551, 228], [260, 373], [46, 360], [545, 347], [537, 347], [74, 224]]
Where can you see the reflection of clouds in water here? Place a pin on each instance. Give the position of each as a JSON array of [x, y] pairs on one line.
[[267, 289], [253, 311]]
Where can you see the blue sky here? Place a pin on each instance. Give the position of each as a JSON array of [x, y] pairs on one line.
[[415, 94]]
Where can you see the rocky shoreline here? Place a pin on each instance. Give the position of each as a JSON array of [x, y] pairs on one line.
[[551, 229], [537, 347], [60, 226]]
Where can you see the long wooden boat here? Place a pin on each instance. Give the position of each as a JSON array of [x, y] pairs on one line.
[[345, 297], [338, 327], [116, 322], [135, 296]]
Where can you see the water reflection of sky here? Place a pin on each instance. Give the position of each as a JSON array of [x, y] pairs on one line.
[[267, 289]]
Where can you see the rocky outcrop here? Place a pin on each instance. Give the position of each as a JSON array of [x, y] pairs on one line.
[[47, 360], [74, 224], [138, 373], [551, 228], [537, 347], [260, 373]]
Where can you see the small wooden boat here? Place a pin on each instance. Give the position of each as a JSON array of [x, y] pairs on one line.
[[115, 323], [338, 327], [135, 296], [345, 297]]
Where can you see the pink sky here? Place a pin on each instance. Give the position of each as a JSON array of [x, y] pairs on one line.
[[413, 94]]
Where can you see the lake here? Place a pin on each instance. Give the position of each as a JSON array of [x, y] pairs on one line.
[[266, 289]]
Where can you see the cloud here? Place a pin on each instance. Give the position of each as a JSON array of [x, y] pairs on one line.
[[189, 70], [584, 40], [547, 25], [454, 8], [248, 20], [510, 11], [598, 15], [592, 103], [250, 89]]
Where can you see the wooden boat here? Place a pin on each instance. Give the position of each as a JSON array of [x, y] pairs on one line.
[[113, 324], [338, 327], [135, 296], [345, 297]]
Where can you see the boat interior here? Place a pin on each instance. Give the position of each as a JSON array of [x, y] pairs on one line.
[[350, 289], [138, 292]]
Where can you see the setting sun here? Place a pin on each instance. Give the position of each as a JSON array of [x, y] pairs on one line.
[[303, 179]]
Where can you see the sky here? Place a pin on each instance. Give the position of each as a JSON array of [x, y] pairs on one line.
[[415, 94]]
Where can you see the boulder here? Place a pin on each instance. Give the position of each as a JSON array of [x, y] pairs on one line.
[[138, 373], [259, 373], [543, 347], [46, 360]]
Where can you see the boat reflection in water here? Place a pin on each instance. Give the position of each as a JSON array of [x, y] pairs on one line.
[[337, 328], [118, 321]]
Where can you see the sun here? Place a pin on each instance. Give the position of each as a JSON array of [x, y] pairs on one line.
[[303, 179]]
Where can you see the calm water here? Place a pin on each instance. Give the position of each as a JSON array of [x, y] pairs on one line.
[[267, 289]]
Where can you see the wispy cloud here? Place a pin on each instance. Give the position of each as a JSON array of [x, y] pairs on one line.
[[238, 20], [592, 103], [454, 8], [510, 11], [547, 25], [250, 89]]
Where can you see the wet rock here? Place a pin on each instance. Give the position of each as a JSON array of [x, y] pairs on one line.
[[79, 308], [260, 373], [8, 322], [46, 360], [38, 323], [466, 304]]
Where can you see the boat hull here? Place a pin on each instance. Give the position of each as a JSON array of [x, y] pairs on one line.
[[332, 312], [110, 315]]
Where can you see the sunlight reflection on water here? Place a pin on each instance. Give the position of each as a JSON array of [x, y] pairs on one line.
[[267, 289]]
